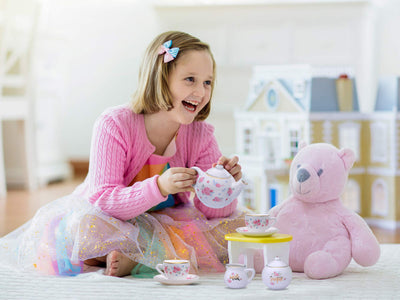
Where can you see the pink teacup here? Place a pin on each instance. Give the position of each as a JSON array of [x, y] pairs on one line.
[[259, 222], [174, 269]]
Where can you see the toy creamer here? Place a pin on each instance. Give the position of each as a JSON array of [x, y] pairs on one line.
[[237, 276]]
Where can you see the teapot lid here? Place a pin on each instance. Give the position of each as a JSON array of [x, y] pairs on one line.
[[219, 172], [277, 263]]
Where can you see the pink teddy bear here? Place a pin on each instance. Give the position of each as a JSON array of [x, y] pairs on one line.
[[326, 235]]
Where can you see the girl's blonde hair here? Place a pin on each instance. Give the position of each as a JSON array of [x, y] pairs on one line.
[[153, 94]]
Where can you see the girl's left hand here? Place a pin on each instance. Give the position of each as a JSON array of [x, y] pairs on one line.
[[231, 165]]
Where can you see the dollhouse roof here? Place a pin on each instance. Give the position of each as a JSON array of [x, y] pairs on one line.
[[388, 96], [323, 96], [318, 93]]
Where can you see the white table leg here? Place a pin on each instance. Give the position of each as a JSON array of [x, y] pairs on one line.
[[234, 251]]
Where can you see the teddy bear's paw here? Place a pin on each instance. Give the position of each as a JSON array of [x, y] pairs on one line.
[[321, 265]]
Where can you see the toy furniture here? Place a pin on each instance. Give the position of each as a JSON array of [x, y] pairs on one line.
[[17, 28], [275, 245]]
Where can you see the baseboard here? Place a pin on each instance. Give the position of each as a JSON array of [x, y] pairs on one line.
[[80, 167], [17, 178]]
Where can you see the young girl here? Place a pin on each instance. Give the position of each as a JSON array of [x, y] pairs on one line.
[[133, 208]]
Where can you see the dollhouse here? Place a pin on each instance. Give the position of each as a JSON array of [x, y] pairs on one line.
[[287, 104]]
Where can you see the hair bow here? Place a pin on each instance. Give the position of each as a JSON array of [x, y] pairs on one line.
[[170, 54]]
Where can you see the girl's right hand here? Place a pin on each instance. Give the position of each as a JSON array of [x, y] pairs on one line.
[[176, 180]]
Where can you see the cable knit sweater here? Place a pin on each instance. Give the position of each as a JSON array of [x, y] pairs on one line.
[[119, 150]]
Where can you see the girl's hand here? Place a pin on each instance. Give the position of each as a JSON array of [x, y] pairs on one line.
[[176, 180], [231, 165]]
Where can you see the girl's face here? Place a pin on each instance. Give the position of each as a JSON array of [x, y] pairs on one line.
[[190, 85]]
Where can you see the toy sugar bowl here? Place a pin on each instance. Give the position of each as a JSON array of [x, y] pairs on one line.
[[237, 276], [277, 274]]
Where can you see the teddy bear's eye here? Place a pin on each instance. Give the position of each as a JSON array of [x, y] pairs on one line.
[[298, 166], [320, 171]]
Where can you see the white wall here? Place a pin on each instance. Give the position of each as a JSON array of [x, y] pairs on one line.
[[388, 45], [104, 42]]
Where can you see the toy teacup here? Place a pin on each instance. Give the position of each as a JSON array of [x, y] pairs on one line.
[[174, 269], [216, 187], [259, 222]]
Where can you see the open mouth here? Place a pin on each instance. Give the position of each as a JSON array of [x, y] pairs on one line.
[[190, 105]]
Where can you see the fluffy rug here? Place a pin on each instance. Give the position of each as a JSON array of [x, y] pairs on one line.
[[381, 281]]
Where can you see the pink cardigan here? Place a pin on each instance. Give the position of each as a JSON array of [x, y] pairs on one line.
[[119, 150]]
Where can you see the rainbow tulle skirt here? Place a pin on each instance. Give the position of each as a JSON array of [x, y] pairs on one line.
[[68, 231]]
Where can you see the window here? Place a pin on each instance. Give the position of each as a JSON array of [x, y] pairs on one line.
[[294, 136], [349, 137], [274, 195], [379, 142], [270, 144], [380, 199], [351, 196], [272, 98], [248, 195], [247, 140], [299, 88]]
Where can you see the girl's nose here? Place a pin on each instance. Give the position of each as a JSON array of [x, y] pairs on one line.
[[199, 90]]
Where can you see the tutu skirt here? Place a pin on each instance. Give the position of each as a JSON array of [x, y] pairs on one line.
[[68, 231]]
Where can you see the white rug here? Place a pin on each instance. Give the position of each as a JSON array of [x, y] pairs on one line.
[[381, 281]]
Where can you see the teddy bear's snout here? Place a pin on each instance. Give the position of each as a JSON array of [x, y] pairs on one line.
[[302, 175]]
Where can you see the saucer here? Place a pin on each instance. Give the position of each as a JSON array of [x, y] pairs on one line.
[[245, 231], [191, 278]]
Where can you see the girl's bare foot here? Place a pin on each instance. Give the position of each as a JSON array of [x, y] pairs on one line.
[[118, 264], [100, 261]]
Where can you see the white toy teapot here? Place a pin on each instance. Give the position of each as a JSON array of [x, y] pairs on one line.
[[216, 187]]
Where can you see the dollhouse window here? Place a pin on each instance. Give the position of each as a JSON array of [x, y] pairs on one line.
[[299, 89], [380, 199], [349, 137], [270, 144], [272, 98], [274, 194], [248, 195], [351, 196], [379, 142], [247, 140], [294, 137]]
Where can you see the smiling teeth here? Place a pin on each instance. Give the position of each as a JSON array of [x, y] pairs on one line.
[[192, 102]]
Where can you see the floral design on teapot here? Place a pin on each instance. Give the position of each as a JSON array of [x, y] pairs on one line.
[[216, 188]]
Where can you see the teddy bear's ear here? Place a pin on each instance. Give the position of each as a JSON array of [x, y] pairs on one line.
[[302, 144], [348, 157]]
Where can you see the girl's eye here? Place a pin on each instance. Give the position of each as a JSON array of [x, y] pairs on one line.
[[207, 82], [191, 79]]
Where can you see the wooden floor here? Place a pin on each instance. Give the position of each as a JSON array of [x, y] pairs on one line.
[[21, 205]]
